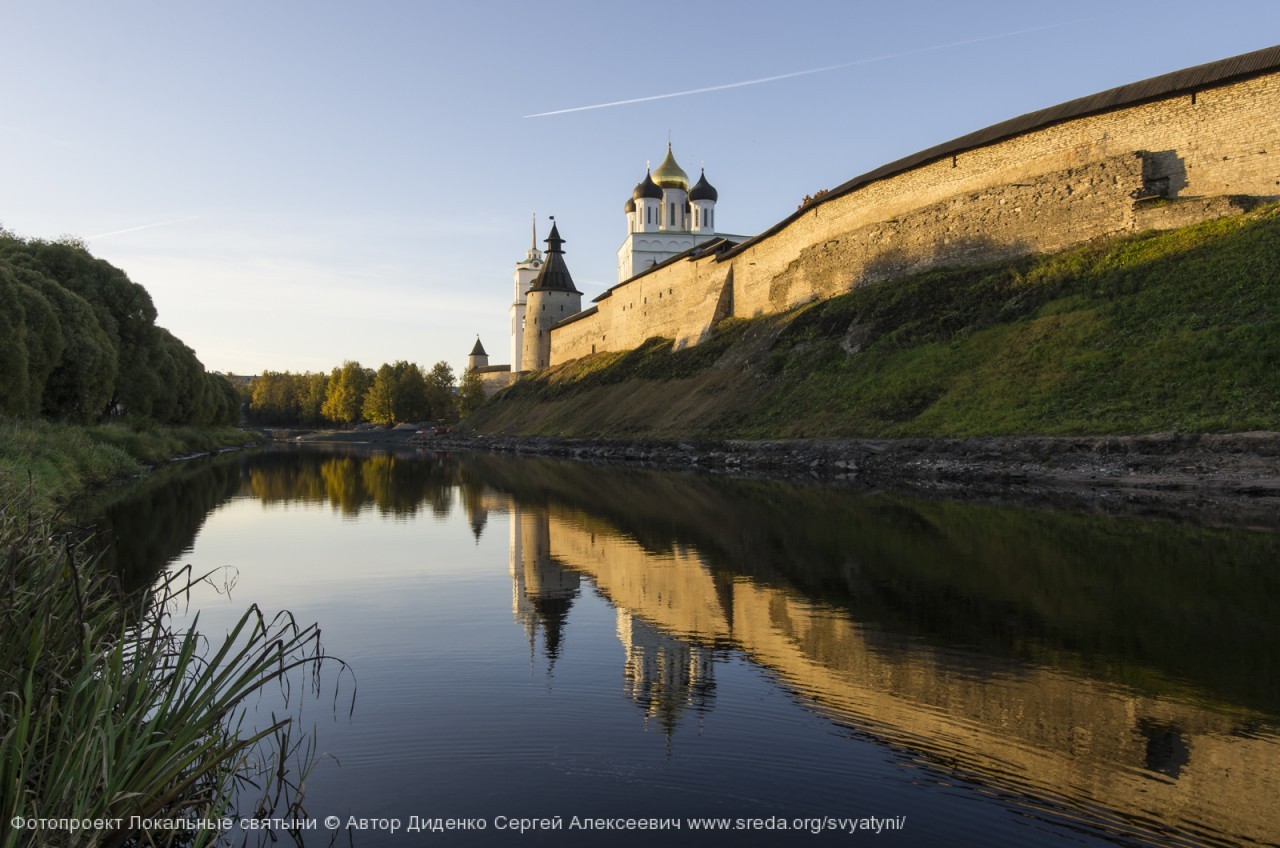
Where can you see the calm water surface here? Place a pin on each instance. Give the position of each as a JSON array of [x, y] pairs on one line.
[[540, 639]]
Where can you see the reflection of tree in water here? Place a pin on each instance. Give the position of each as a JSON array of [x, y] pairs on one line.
[[394, 484], [154, 522], [343, 488], [149, 525]]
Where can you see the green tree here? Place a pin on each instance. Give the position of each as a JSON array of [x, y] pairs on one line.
[[125, 312], [226, 399], [380, 401], [85, 336], [42, 338], [440, 390], [13, 349], [412, 399], [309, 391], [81, 381], [271, 399], [344, 395], [470, 393], [399, 393]]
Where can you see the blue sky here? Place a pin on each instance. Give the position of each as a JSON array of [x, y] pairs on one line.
[[297, 184]]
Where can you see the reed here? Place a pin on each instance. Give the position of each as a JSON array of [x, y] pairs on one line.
[[107, 711]]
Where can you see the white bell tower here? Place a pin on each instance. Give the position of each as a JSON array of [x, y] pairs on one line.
[[526, 270]]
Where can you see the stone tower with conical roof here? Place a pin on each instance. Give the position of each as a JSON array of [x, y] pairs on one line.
[[551, 298], [478, 358], [666, 217]]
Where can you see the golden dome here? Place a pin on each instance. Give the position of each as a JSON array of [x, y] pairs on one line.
[[669, 174]]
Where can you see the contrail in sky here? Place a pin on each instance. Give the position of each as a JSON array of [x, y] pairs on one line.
[[143, 227], [795, 73]]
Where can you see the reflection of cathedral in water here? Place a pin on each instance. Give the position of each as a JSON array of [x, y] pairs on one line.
[[663, 675]]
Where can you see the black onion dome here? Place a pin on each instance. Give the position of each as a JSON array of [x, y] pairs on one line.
[[703, 190], [631, 205], [647, 188]]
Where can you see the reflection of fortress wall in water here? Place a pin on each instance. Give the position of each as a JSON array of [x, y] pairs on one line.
[[1032, 730]]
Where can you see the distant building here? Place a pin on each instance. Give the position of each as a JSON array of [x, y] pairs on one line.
[[240, 381], [494, 377]]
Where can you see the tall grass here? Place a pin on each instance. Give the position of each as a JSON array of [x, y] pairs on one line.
[[108, 712]]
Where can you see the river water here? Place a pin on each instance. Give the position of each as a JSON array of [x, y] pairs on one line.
[[540, 639]]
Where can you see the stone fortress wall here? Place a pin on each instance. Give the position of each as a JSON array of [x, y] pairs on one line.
[[1162, 153]]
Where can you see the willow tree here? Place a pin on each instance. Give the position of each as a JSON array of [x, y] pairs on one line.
[[78, 386], [13, 349]]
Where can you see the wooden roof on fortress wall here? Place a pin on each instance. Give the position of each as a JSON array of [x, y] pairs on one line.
[[1155, 88]]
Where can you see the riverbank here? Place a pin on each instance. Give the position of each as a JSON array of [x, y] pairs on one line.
[[1169, 332], [1233, 476], [56, 463]]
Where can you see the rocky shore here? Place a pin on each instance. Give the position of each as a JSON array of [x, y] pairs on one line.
[[1237, 473]]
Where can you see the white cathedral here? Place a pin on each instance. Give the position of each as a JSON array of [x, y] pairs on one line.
[[665, 217]]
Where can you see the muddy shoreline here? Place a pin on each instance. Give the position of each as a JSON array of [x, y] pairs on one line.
[[1231, 479]]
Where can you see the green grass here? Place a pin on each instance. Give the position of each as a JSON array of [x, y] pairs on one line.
[[61, 461], [108, 712], [1174, 331]]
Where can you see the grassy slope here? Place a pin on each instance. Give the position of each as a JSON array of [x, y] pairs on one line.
[[61, 461], [1176, 331]]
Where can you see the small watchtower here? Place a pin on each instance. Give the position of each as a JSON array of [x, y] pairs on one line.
[[477, 358]]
